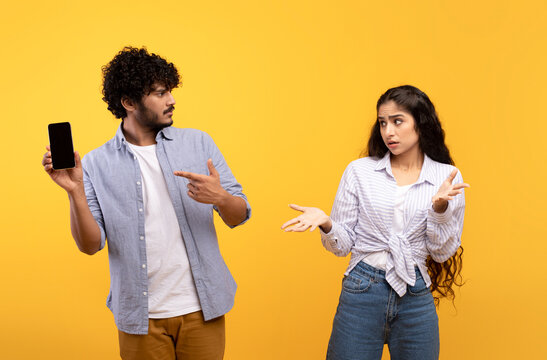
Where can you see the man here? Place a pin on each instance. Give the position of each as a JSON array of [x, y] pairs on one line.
[[150, 191]]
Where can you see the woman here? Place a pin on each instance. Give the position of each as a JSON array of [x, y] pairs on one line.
[[399, 212]]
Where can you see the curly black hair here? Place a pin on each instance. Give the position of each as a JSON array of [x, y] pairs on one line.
[[132, 74]]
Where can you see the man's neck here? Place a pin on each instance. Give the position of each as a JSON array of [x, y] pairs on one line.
[[136, 134]]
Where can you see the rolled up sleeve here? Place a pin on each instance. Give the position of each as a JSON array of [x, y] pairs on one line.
[[444, 229], [227, 178], [94, 207], [344, 216]]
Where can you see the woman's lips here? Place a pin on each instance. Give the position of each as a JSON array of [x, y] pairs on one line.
[[392, 144]]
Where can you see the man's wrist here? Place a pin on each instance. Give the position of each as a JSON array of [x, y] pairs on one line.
[[223, 199], [77, 191]]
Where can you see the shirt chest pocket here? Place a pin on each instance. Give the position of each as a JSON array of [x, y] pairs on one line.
[[416, 207]]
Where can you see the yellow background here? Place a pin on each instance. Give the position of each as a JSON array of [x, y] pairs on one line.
[[287, 89]]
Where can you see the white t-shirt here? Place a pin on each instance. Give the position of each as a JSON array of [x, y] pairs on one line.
[[379, 259], [171, 288]]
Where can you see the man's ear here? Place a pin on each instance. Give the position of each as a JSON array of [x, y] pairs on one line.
[[128, 104]]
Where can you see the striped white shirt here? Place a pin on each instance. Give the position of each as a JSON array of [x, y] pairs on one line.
[[362, 217]]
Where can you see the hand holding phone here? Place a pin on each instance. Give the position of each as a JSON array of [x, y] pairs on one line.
[[67, 173], [60, 142]]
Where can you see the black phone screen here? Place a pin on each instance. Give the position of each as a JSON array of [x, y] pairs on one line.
[[60, 142]]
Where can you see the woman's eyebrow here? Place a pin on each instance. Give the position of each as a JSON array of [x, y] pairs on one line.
[[391, 116]]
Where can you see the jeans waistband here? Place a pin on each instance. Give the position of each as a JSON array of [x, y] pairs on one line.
[[366, 269]]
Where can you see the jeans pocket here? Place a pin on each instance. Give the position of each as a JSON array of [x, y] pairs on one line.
[[419, 288], [356, 284]]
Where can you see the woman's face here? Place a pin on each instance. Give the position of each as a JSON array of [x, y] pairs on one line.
[[397, 129]]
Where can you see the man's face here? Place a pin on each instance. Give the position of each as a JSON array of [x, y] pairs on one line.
[[155, 110]]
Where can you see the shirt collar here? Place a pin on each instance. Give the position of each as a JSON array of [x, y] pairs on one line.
[[428, 171], [166, 133], [426, 174], [384, 164], [119, 139]]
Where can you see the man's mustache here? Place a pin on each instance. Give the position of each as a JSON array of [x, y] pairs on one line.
[[171, 108]]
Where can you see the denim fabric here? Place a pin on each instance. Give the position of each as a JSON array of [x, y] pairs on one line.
[[371, 314]]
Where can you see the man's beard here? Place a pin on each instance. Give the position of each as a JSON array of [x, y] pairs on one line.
[[149, 119]]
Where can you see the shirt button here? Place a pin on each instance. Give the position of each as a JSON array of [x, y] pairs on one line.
[[144, 293], [142, 238], [138, 182], [134, 157], [144, 266], [140, 210]]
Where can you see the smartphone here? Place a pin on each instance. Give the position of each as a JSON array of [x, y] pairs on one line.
[[60, 142]]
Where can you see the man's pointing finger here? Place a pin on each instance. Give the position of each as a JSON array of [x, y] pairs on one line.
[[185, 174]]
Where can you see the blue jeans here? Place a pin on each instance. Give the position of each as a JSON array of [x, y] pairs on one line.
[[371, 314]]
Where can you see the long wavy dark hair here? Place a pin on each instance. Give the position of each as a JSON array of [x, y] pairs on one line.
[[431, 141]]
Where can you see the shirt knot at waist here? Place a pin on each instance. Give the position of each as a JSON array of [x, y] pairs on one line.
[[400, 262]]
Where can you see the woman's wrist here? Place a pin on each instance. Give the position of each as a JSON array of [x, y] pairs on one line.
[[326, 227], [440, 206]]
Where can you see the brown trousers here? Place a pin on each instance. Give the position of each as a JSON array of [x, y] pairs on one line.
[[185, 337]]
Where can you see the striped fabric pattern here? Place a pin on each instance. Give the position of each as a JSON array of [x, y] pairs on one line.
[[362, 217]]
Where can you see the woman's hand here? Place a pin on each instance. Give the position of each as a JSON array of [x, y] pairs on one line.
[[310, 218], [446, 192]]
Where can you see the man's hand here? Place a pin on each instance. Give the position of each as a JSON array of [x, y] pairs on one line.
[[83, 226], [205, 189], [310, 218], [68, 179], [446, 192]]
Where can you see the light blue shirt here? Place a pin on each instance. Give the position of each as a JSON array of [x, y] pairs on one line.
[[113, 186], [362, 219]]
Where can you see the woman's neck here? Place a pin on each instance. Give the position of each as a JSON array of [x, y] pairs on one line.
[[406, 167], [408, 161]]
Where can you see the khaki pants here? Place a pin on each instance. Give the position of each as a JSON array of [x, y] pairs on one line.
[[186, 337]]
